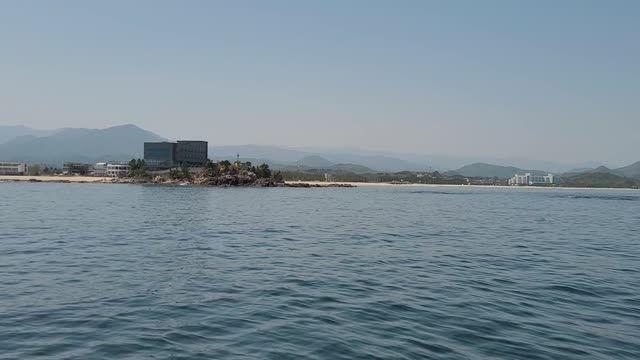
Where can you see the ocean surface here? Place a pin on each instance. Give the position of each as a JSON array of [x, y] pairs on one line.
[[95, 271]]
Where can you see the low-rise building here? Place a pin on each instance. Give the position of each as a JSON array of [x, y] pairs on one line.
[[528, 179], [75, 168], [13, 168], [117, 170], [100, 169]]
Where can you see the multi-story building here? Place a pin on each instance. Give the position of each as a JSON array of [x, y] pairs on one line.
[[165, 155], [74, 168], [100, 169], [194, 153], [13, 168], [117, 170], [528, 179], [160, 155]]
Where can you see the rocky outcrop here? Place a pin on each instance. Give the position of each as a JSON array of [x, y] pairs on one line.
[[315, 185], [242, 179], [238, 177]]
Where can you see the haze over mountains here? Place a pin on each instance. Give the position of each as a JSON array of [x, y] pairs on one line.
[[53, 147], [82, 145], [11, 132]]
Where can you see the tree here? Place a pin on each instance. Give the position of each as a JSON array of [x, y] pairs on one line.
[[186, 173], [138, 168], [175, 174], [34, 170], [132, 165], [263, 171], [277, 176]]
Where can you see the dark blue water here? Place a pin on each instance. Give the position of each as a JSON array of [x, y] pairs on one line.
[[93, 271]]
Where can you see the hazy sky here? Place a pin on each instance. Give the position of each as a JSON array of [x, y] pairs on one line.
[[556, 80]]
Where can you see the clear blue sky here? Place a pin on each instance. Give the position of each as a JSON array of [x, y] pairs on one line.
[[555, 80]]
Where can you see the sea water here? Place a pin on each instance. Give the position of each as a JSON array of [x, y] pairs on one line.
[[97, 271]]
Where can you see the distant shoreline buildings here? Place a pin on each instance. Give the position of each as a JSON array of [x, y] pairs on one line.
[[157, 156], [528, 179], [111, 169]]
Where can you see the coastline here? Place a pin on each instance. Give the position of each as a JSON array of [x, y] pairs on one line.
[[107, 180], [56, 179], [386, 184]]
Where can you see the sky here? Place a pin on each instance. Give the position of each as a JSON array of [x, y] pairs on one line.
[[552, 80]]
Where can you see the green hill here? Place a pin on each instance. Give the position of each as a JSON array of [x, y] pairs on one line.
[[632, 171], [600, 180], [489, 170]]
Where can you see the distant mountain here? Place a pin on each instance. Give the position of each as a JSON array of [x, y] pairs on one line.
[[84, 145], [308, 162], [578, 170], [280, 154], [315, 162], [603, 170], [358, 169], [600, 180], [8, 133], [273, 153], [489, 170], [121, 142], [627, 171], [384, 161], [632, 171]]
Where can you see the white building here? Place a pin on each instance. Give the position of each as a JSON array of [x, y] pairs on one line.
[[528, 179], [117, 170], [14, 168], [100, 169]]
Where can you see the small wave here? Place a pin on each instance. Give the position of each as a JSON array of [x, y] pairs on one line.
[[439, 192], [571, 290], [601, 197]]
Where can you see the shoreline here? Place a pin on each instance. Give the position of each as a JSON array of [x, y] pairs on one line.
[[386, 184], [108, 180]]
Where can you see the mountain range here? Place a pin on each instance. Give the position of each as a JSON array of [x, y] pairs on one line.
[[489, 170], [54, 146], [8, 133], [82, 145]]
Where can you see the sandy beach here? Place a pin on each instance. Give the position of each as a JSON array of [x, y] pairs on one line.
[[75, 179], [382, 184]]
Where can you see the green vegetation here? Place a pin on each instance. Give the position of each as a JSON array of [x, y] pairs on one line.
[[138, 169], [588, 180], [481, 170], [34, 170], [225, 167], [50, 171], [182, 173], [397, 177], [600, 180], [262, 171]]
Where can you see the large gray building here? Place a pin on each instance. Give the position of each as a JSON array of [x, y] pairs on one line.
[[165, 155]]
